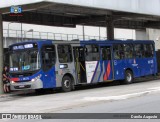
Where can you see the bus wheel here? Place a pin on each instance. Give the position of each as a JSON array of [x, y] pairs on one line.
[[128, 77], [66, 84]]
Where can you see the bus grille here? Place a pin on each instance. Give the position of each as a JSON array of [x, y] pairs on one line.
[[21, 75], [26, 86]]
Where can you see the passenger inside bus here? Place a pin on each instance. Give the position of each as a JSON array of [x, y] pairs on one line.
[[116, 55]]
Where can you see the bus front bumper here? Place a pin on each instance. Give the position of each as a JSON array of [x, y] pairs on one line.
[[26, 85]]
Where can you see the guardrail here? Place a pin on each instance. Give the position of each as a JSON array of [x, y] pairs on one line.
[[47, 35]]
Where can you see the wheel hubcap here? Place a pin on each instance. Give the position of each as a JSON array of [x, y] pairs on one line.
[[129, 77], [67, 83]]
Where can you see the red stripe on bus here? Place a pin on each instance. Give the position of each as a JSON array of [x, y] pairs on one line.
[[14, 79], [108, 71]]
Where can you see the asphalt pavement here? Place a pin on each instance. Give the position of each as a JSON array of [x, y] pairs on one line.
[[140, 97]]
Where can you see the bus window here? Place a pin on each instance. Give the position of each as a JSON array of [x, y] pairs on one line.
[[106, 53], [118, 51], [138, 50], [48, 57], [148, 50], [128, 50], [64, 53], [92, 53]]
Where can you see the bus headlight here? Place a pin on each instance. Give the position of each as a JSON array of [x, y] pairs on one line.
[[36, 78], [13, 82], [62, 66]]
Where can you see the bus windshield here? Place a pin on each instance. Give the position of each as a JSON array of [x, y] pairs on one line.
[[28, 60]]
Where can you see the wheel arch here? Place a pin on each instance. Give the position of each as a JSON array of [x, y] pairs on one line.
[[72, 78], [130, 69]]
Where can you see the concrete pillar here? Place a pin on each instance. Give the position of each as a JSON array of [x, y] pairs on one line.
[[83, 31], [142, 34], [1, 53], [110, 28], [154, 34]]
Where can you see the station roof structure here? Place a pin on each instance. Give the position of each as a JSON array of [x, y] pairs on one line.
[[133, 14]]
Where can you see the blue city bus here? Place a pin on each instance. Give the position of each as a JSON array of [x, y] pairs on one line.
[[50, 64]]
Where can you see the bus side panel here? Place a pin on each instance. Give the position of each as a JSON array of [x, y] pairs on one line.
[[150, 65], [107, 70], [102, 72], [146, 66], [143, 66], [133, 65], [61, 72], [155, 65], [93, 71], [49, 79], [119, 66], [136, 67]]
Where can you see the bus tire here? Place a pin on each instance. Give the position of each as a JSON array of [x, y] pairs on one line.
[[128, 77], [66, 84]]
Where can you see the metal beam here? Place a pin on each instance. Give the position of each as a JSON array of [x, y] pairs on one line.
[[90, 19], [42, 19], [153, 24], [134, 16], [66, 20]]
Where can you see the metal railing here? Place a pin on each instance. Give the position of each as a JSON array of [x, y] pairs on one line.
[[22, 34]]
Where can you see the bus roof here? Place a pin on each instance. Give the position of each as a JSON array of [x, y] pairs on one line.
[[118, 41], [85, 42]]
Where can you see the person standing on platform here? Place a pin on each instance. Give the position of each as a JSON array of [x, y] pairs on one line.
[[6, 81]]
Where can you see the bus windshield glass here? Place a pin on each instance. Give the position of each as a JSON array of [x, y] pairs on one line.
[[28, 60]]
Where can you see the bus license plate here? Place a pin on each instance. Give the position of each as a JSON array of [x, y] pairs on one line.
[[21, 86]]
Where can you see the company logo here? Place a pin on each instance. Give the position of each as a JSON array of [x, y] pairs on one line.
[[150, 62], [15, 11], [6, 116], [134, 63]]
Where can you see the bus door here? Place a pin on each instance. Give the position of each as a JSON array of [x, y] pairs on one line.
[[80, 68], [48, 66], [66, 64], [106, 63], [92, 63]]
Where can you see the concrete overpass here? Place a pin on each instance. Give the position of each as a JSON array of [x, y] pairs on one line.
[[134, 14]]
